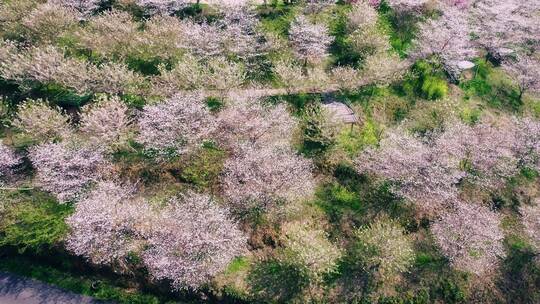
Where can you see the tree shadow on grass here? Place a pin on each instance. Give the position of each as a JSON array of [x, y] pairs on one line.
[[276, 282]]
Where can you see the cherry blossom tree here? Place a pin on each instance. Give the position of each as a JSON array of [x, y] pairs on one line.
[[66, 169], [407, 5], [246, 119], [8, 159], [309, 248], [447, 37], [346, 78], [531, 220], [526, 70], [41, 122], [422, 175], [362, 15], [223, 75], [49, 65], [470, 237], [107, 224], [164, 7], [310, 41], [175, 126], [48, 21], [242, 36], [265, 177], [106, 121], [191, 241], [383, 69], [85, 7], [505, 26], [236, 33], [112, 34], [384, 248], [527, 141], [488, 148]]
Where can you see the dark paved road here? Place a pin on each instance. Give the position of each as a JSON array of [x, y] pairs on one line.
[[18, 290]]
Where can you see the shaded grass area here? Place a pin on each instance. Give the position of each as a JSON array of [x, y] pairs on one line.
[[64, 274]]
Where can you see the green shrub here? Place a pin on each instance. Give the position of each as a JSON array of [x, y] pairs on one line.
[[320, 130], [32, 220], [434, 88], [427, 80]]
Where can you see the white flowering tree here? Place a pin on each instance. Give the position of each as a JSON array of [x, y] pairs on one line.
[[48, 21], [470, 237], [191, 241], [85, 7], [505, 26], [421, 174], [528, 142], [526, 71], [265, 177], [66, 169], [41, 122], [8, 159], [247, 120], [310, 41], [107, 224], [164, 7], [309, 248], [448, 37], [106, 121], [175, 126], [531, 220], [385, 249]]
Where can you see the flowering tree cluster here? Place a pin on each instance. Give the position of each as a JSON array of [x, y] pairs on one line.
[[41, 122], [176, 125], [106, 225], [84, 7], [407, 5], [428, 171], [296, 78], [48, 65], [528, 137], [470, 238], [526, 70], [365, 36], [383, 69], [310, 41], [385, 249], [165, 7], [264, 177], [191, 240], [422, 175], [247, 120], [66, 169], [531, 220], [447, 37], [216, 73], [309, 248], [187, 242], [504, 26], [8, 159], [48, 21], [105, 122]]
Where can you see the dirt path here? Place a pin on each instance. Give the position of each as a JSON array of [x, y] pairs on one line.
[[19, 290]]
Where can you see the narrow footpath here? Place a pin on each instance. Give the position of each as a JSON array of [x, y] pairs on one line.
[[19, 290]]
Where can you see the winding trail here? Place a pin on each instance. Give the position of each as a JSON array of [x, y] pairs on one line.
[[19, 290]]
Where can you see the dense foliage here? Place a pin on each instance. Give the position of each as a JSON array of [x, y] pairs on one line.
[[313, 151]]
